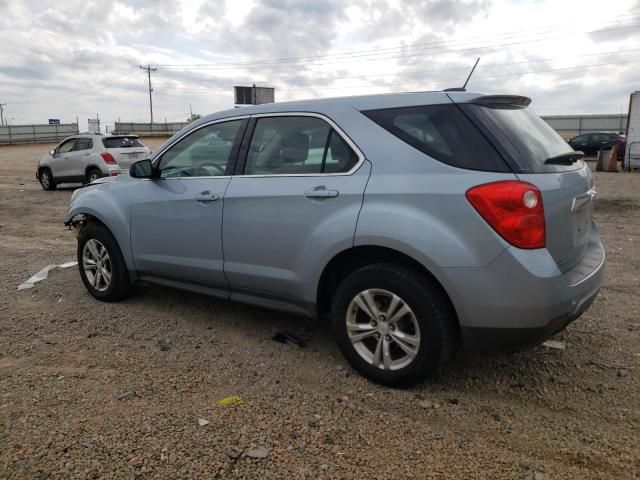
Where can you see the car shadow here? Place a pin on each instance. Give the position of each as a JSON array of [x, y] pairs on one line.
[[251, 325]]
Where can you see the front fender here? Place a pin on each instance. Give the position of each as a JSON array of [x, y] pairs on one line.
[[96, 201]]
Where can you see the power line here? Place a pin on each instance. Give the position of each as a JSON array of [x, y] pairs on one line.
[[191, 89], [510, 74], [483, 67], [514, 74]]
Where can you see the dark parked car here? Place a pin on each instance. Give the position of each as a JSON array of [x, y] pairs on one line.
[[591, 143]]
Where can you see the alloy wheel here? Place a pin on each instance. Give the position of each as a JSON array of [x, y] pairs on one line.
[[96, 264], [383, 329]]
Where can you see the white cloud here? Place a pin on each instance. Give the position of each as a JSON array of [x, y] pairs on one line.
[[78, 57]]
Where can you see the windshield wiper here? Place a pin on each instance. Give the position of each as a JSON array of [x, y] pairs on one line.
[[564, 158]]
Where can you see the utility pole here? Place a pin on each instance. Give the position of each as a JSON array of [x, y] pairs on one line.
[[149, 70], [2, 105]]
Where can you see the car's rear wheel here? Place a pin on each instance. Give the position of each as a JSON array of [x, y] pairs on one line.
[[102, 266], [93, 174], [46, 179], [393, 324]]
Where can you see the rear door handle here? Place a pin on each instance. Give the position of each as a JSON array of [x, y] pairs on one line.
[[321, 192], [206, 197]]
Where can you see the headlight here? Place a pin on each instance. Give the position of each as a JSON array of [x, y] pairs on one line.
[[74, 194]]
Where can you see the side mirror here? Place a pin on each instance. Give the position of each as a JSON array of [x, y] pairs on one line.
[[52, 152], [142, 169]]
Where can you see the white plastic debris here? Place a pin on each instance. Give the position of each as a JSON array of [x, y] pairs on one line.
[[44, 273], [202, 422], [554, 344]]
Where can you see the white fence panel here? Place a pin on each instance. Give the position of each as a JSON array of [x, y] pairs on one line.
[[12, 134]]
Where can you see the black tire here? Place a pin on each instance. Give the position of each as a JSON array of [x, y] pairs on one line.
[[92, 175], [46, 179], [431, 310], [120, 284]]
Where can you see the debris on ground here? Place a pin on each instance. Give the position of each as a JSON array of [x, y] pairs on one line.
[[228, 401], [284, 337], [260, 452], [127, 395], [555, 344], [202, 422], [234, 453], [42, 274]]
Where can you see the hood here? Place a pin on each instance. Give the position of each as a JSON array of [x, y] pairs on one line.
[[99, 181]]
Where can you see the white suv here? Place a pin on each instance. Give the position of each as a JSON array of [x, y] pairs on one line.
[[85, 157]]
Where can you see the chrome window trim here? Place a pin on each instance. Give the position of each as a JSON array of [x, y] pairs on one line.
[[157, 158], [194, 178], [338, 130]]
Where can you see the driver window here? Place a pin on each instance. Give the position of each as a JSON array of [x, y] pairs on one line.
[[203, 153], [66, 146]]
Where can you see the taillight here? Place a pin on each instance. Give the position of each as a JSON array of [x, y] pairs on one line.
[[513, 209], [108, 158]]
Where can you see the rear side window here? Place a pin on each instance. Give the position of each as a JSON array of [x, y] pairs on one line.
[[442, 132], [297, 145], [83, 144], [122, 142], [600, 137]]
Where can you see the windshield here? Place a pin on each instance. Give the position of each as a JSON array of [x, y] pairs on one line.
[[533, 139], [122, 142]]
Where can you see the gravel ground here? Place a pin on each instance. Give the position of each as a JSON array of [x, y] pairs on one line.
[[94, 390]]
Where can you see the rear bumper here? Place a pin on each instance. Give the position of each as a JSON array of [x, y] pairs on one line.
[[522, 297], [480, 338]]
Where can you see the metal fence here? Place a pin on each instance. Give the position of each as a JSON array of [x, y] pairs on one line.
[[12, 134], [571, 125], [149, 129]]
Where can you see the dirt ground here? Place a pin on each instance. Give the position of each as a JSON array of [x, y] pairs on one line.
[[94, 390]]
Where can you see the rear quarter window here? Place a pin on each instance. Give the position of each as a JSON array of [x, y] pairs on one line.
[[122, 142], [442, 132]]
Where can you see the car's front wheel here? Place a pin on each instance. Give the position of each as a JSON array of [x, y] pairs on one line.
[[393, 324], [102, 266], [46, 179]]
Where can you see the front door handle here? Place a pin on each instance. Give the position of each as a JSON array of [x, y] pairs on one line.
[[206, 197], [321, 192]]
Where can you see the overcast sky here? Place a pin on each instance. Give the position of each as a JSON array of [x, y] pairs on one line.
[[68, 59]]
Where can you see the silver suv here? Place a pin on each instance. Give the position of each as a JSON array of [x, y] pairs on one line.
[[415, 222], [86, 157]]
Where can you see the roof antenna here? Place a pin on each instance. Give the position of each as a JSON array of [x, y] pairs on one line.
[[463, 88]]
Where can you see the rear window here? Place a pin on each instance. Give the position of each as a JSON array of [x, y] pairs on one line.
[[443, 132], [122, 142], [529, 140]]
